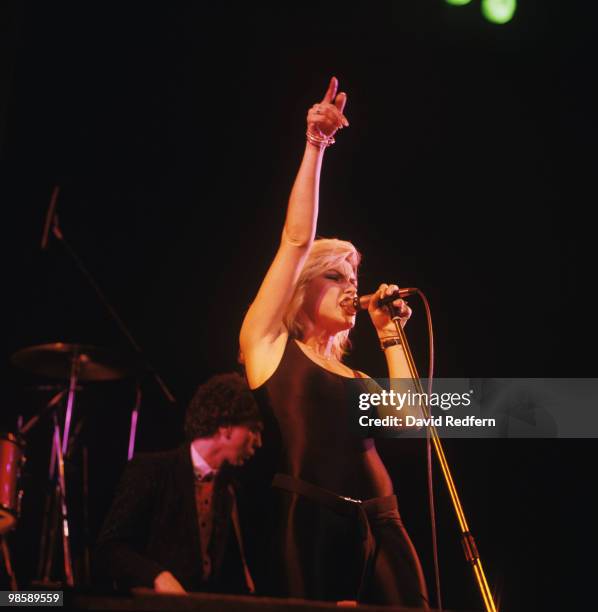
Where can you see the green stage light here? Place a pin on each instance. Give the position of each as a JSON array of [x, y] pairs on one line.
[[499, 11], [458, 2]]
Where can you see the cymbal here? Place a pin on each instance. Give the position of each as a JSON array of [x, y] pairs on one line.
[[94, 363]]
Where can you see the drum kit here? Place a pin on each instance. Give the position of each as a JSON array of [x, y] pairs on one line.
[[74, 365]]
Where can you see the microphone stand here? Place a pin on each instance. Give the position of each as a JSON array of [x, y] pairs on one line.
[[469, 546]]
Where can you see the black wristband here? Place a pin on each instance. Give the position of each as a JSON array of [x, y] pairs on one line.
[[389, 342]]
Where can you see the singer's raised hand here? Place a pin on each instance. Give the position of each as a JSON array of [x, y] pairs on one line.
[[381, 317], [264, 332], [326, 117]]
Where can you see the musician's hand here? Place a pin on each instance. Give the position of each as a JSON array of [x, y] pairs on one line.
[[326, 117], [380, 316], [165, 582]]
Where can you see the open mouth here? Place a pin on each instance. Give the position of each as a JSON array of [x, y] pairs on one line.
[[347, 305]]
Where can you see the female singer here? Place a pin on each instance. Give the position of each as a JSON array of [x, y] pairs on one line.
[[337, 531]]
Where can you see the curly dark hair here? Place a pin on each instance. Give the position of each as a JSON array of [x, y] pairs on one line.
[[224, 400]]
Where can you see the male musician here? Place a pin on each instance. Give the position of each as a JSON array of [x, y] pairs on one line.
[[174, 525]]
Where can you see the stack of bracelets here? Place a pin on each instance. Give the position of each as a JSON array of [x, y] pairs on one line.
[[319, 141]]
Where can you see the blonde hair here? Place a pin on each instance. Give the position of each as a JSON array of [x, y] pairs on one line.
[[325, 253]]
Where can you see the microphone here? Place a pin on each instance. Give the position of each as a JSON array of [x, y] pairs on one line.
[[362, 302]]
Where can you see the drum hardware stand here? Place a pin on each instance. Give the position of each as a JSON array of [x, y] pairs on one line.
[[56, 508], [469, 546], [57, 500], [49, 507], [75, 363], [61, 496], [134, 418], [70, 402]]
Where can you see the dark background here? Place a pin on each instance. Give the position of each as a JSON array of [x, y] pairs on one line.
[[174, 131]]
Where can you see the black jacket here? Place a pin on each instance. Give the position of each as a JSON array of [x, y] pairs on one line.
[[152, 527]]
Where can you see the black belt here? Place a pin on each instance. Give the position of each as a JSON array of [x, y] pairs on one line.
[[346, 506]]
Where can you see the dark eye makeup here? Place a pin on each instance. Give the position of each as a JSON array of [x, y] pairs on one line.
[[337, 276]]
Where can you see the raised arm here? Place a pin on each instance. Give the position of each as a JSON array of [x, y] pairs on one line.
[[263, 324]]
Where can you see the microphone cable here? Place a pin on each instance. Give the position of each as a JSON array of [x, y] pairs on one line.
[[430, 478]]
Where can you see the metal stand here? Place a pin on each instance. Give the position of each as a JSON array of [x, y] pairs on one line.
[[56, 503], [77, 364], [55, 511], [469, 546], [61, 490], [134, 418]]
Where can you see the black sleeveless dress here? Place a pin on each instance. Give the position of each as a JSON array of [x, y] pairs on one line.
[[312, 549]]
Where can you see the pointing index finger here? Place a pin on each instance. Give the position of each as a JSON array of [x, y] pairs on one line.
[[331, 91]]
